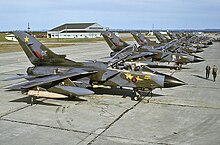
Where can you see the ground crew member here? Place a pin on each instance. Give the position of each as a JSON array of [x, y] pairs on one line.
[[207, 70], [214, 72]]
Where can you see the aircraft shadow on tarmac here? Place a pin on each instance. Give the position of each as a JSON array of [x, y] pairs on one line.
[[27, 100], [169, 67], [201, 77], [98, 91], [121, 92]]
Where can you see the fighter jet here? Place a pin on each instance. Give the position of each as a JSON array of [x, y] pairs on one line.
[[191, 41], [161, 54], [182, 44], [55, 76]]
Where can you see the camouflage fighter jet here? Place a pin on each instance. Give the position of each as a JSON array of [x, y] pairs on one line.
[[191, 41], [55, 76], [161, 54], [177, 43]]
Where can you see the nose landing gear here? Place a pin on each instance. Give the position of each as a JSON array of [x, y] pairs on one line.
[[138, 94]]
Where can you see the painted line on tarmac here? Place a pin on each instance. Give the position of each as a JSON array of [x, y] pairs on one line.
[[13, 111], [46, 126], [185, 105]]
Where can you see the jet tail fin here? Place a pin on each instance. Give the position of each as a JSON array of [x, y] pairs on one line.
[[114, 42], [139, 38], [171, 35], [161, 37], [143, 41], [37, 53]]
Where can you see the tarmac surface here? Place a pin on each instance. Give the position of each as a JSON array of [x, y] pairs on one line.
[[188, 114]]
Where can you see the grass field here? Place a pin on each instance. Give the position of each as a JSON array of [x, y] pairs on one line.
[[10, 46], [2, 37], [16, 47]]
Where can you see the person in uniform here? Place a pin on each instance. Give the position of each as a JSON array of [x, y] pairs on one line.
[[207, 70], [214, 72]]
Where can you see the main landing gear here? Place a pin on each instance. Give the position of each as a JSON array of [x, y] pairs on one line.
[[33, 100]]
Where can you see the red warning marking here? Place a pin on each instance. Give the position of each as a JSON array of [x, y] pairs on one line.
[[37, 54], [116, 44]]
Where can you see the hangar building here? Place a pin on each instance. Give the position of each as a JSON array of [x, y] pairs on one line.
[[76, 30]]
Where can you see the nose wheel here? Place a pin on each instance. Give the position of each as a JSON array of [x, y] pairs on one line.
[[178, 66], [139, 97]]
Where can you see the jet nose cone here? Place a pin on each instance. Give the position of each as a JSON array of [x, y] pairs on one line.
[[199, 50], [205, 46], [172, 82], [198, 59], [209, 43]]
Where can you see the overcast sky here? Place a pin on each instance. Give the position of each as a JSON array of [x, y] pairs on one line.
[[115, 14]]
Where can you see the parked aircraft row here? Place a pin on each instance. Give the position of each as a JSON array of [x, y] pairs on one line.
[[171, 51], [54, 76]]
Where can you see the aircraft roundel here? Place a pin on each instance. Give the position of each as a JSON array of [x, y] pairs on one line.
[[134, 79]]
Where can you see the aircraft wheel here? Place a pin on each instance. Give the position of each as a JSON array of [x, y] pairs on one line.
[[32, 100], [112, 54], [136, 98]]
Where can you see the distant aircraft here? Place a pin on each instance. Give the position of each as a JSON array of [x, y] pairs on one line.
[[55, 76], [191, 43], [176, 44], [161, 54]]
